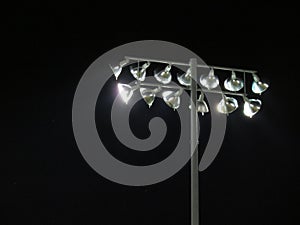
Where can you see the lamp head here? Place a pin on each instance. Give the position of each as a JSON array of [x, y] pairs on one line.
[[227, 105], [164, 76], [149, 94], [140, 73], [251, 106], [210, 81], [201, 105], [172, 99], [185, 79], [118, 68], [258, 87], [233, 83], [125, 91]]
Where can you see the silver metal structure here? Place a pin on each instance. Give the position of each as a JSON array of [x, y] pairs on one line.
[[194, 89]]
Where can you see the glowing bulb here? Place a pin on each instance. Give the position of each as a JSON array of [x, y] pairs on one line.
[[149, 95], [210, 81], [172, 99], [201, 105], [164, 76], [140, 73], [125, 92], [227, 105], [233, 83], [251, 107], [185, 79], [118, 68], [258, 87]]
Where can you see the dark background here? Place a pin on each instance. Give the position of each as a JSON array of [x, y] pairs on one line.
[[253, 180]]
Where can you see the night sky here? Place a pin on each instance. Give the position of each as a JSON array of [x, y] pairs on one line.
[[253, 180]]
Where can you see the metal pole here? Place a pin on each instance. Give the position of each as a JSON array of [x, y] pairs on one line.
[[194, 147]]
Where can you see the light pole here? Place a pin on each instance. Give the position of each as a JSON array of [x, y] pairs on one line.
[[194, 142], [234, 85]]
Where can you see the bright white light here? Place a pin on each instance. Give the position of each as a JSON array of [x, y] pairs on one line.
[[258, 87], [227, 105], [251, 107], [116, 70], [210, 81], [233, 83], [164, 76], [185, 79], [125, 91], [140, 73], [171, 99], [148, 95]]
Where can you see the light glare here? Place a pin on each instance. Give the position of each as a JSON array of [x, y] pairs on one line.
[[125, 92], [251, 107]]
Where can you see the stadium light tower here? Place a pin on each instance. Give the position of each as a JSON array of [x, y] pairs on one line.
[[188, 81]]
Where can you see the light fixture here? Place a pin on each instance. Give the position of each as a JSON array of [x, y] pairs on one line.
[[227, 105], [210, 81], [164, 76], [126, 91], [118, 68], [185, 79], [258, 87], [172, 98], [201, 105], [251, 106], [233, 83], [140, 73], [149, 94]]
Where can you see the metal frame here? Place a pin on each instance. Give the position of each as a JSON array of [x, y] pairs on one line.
[[188, 65], [145, 84]]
